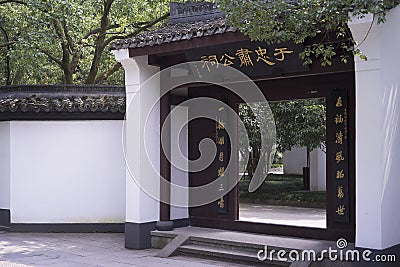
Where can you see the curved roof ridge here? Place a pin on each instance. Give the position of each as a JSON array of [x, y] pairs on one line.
[[176, 32]]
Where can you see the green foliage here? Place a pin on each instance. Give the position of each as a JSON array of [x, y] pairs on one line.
[[278, 187], [62, 41], [256, 127], [276, 165], [308, 22], [299, 123]]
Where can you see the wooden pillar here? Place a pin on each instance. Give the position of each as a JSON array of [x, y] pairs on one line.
[[165, 223]]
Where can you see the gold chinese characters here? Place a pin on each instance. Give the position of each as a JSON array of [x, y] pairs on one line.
[[339, 156], [340, 210], [340, 193], [220, 140], [244, 57], [339, 102], [340, 174], [221, 203], [339, 138]]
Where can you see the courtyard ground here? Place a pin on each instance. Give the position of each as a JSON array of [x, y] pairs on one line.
[[284, 215], [94, 249]]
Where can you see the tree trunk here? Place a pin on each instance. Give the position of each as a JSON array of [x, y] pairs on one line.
[[7, 67], [100, 45], [250, 165], [255, 158], [306, 173], [66, 66], [68, 79], [94, 69]]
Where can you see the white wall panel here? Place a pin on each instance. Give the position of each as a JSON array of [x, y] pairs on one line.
[[67, 172]]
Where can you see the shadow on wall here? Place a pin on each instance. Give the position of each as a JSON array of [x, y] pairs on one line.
[[391, 100]]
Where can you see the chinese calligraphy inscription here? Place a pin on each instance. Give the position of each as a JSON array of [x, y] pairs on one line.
[[253, 58], [340, 192], [221, 139], [243, 57]]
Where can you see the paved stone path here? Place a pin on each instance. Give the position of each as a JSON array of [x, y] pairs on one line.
[[297, 216], [54, 249]]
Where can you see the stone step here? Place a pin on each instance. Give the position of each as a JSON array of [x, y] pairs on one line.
[[4, 228], [243, 246], [172, 246], [228, 254]]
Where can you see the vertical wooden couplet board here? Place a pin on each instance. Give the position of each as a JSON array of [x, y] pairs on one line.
[[221, 159], [339, 122]]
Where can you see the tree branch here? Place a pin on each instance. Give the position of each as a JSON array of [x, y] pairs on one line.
[[106, 74], [8, 43], [61, 34], [75, 60], [76, 53], [50, 56], [97, 30], [66, 51], [7, 69], [68, 38], [98, 51], [139, 30], [13, 1]]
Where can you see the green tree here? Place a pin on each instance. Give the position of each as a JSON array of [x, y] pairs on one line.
[[253, 132], [62, 41], [320, 25], [6, 41], [299, 123], [259, 123]]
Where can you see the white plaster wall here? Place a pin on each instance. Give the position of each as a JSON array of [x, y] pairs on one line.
[[377, 135], [321, 170], [368, 144], [67, 172], [390, 38], [178, 176], [150, 154], [142, 139], [294, 160], [317, 170], [4, 165]]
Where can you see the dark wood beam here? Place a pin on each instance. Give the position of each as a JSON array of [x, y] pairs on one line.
[[182, 45]]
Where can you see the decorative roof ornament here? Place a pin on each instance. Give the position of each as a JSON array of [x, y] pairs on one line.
[[193, 11]]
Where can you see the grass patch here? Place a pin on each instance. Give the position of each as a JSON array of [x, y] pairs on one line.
[[277, 165], [280, 187]]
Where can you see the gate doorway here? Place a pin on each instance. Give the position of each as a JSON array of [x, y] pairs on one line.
[[339, 221], [294, 190]]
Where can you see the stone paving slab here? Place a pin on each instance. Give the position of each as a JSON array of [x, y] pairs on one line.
[[83, 249], [282, 215]]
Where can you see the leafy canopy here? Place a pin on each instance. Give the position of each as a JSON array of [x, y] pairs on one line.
[[67, 41], [320, 25], [299, 123]]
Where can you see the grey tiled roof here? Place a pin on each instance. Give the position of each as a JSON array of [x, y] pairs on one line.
[[42, 99], [176, 32]]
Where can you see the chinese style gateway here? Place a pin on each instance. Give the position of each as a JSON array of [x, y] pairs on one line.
[[205, 36], [85, 159], [199, 32]]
